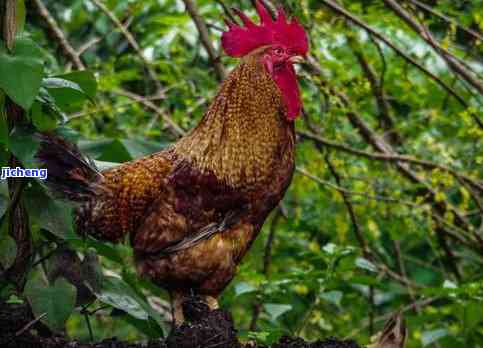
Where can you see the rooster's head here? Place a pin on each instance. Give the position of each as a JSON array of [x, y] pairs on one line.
[[284, 42]]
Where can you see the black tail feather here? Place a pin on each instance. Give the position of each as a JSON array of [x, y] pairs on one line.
[[70, 174]]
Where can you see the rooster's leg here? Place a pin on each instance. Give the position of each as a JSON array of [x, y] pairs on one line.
[[177, 299], [212, 302]]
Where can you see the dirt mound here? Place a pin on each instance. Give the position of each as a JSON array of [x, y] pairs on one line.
[[203, 329]]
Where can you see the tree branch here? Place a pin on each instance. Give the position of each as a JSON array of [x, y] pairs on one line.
[[380, 156], [428, 9], [341, 11], [131, 40], [424, 33], [68, 51], [177, 130], [380, 95], [205, 39]]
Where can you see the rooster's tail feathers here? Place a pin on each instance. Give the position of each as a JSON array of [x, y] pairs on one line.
[[70, 174]]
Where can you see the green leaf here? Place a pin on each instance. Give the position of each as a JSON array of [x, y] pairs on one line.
[[49, 106], [51, 215], [24, 145], [117, 293], [68, 95], [21, 72], [432, 336], [133, 281], [41, 120], [59, 83], [148, 327], [365, 264], [70, 90], [243, 288], [141, 147], [266, 337], [54, 303], [14, 299], [333, 297], [275, 310], [85, 80], [105, 249], [103, 165], [108, 150]]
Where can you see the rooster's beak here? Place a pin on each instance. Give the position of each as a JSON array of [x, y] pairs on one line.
[[296, 60]]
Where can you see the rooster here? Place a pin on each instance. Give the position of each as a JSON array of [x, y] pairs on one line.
[[192, 211]]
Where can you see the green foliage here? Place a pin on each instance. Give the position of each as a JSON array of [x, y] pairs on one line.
[[21, 72], [318, 280], [52, 302]]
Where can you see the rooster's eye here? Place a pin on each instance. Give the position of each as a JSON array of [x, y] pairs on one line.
[[278, 51]]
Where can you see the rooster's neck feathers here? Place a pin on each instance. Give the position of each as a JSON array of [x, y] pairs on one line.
[[244, 131]]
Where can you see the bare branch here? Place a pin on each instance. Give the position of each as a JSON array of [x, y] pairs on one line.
[[379, 156], [57, 33], [88, 45], [355, 224], [341, 11], [428, 9], [380, 95], [424, 33], [205, 38], [227, 11], [131, 40], [177, 130]]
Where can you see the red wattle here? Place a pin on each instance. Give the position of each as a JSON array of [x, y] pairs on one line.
[[286, 80]]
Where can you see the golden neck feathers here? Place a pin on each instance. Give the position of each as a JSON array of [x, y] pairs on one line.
[[241, 136]]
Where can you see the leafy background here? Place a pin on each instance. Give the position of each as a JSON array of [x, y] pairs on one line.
[[361, 233]]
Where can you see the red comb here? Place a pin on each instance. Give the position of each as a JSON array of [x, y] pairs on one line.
[[241, 40]]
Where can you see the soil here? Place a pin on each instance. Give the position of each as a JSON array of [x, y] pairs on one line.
[[204, 329]]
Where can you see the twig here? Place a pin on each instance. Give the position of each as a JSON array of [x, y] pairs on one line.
[[205, 38], [402, 270], [380, 145], [30, 324], [424, 33], [430, 10], [355, 193], [59, 36], [355, 224], [456, 235], [383, 61], [380, 95], [379, 156], [46, 257], [267, 260], [367, 253], [150, 105], [89, 327], [342, 11], [227, 11], [418, 303], [88, 45], [131, 40], [459, 67], [110, 107]]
